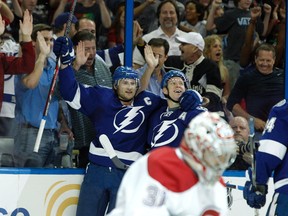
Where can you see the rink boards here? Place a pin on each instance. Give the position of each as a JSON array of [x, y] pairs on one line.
[[51, 192]]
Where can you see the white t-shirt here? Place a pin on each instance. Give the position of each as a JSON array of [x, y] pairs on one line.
[[158, 33]]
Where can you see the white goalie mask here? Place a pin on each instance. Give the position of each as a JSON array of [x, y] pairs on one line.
[[209, 146]]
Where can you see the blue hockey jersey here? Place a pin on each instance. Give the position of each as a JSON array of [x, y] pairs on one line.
[[166, 128], [272, 154], [124, 125]]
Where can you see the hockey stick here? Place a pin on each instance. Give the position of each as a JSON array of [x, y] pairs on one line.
[[107, 145], [253, 149], [52, 86]]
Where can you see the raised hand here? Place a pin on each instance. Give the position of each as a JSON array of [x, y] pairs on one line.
[[44, 48], [81, 56], [267, 8], [151, 60], [26, 27], [137, 32]]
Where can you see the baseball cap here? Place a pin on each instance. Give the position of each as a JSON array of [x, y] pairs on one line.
[[63, 18], [193, 38]]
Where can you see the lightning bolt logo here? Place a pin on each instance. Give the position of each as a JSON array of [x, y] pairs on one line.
[[129, 117], [161, 132]]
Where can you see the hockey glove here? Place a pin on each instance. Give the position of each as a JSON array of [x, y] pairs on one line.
[[254, 196], [63, 48], [190, 99]]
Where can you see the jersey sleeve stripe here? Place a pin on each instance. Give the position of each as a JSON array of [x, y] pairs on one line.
[[75, 103], [280, 183], [273, 148]]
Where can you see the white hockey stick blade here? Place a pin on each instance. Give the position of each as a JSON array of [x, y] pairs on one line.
[[107, 145]]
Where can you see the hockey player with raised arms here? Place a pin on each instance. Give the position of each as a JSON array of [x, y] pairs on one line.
[[272, 156], [185, 180], [121, 114]]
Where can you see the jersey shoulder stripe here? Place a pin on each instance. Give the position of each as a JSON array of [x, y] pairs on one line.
[[168, 169]]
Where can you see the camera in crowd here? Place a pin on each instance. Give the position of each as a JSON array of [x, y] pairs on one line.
[[245, 147]]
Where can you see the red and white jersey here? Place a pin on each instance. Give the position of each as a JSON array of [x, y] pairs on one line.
[[161, 183]]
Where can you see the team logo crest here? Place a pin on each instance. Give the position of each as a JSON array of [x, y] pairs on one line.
[[129, 120], [164, 133]]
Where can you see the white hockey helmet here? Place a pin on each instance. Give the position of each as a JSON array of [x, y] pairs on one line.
[[209, 146]]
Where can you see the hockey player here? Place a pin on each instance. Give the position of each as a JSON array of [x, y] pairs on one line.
[[184, 180], [120, 113], [271, 156], [167, 124]]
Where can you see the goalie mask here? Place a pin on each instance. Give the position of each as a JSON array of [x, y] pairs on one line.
[[209, 146]]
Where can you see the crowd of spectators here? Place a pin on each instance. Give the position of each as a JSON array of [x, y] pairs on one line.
[[214, 43]]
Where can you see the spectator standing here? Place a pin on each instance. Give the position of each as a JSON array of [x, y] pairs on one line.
[[32, 92], [261, 89], [9, 49], [18, 65], [168, 16], [185, 180], [7, 114], [271, 158], [213, 50]]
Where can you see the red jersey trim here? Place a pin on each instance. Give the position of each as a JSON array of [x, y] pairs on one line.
[[169, 170]]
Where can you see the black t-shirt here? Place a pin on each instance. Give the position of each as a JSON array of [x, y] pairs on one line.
[[260, 92], [234, 23]]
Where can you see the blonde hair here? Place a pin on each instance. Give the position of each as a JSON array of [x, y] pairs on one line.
[[209, 42]]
